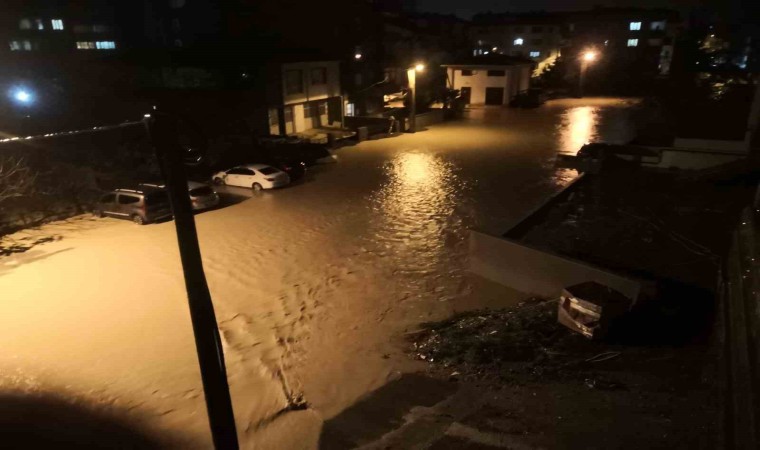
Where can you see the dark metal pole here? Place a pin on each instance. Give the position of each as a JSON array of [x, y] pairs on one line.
[[163, 130], [582, 76]]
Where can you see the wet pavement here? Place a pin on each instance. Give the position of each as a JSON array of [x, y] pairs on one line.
[[315, 285]]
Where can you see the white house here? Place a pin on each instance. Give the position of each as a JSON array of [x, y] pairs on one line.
[[310, 97], [489, 79]]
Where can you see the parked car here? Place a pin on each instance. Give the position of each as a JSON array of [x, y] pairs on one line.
[[295, 149], [202, 196], [532, 98], [255, 176], [294, 168], [143, 205]]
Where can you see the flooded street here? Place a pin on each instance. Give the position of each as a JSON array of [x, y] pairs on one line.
[[314, 285]]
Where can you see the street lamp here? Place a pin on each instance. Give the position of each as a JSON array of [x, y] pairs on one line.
[[411, 74], [588, 57], [22, 96]]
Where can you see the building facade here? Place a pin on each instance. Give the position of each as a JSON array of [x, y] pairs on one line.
[[632, 38], [309, 96], [535, 36], [490, 79]]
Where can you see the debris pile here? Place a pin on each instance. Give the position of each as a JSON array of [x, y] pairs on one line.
[[502, 343]]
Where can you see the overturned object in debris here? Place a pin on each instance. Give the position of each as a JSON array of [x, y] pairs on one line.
[[590, 307]]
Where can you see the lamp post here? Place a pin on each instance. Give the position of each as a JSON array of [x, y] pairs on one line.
[[411, 74], [587, 58]]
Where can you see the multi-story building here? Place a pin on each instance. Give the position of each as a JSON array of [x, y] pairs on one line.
[[538, 36], [45, 27], [304, 95], [635, 39]]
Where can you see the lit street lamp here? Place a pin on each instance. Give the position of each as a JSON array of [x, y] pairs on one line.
[[411, 74], [588, 57], [22, 96]]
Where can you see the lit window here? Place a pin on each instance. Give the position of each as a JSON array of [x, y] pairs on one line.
[[25, 24], [633, 42], [57, 24], [535, 54], [657, 25], [634, 26], [519, 41], [39, 24], [27, 45], [105, 45], [350, 109], [85, 45], [16, 46]]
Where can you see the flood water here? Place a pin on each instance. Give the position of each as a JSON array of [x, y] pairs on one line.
[[314, 285]]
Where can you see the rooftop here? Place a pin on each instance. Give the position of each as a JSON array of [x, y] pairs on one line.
[[490, 60]]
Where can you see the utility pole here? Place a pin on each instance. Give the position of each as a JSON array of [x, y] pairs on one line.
[[411, 74], [586, 59], [163, 131]]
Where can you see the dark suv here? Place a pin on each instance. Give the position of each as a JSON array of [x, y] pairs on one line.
[[138, 205]]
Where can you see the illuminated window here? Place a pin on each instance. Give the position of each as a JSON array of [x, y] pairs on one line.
[[519, 41], [535, 54], [634, 26], [633, 42], [25, 24], [350, 109], [657, 25], [39, 24], [99, 45], [57, 24], [20, 45]]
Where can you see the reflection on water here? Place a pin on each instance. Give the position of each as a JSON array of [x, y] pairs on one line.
[[417, 209], [579, 126]]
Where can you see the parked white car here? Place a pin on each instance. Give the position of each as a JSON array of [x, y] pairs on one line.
[[254, 176], [202, 196]]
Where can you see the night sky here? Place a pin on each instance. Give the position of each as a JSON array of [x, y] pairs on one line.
[[466, 8]]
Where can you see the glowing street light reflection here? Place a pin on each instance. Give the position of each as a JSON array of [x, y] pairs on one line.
[[579, 127], [589, 56], [417, 205]]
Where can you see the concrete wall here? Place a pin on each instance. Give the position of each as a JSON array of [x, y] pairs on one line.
[[711, 145], [313, 91], [691, 160], [429, 118], [516, 78], [535, 271], [740, 303]]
